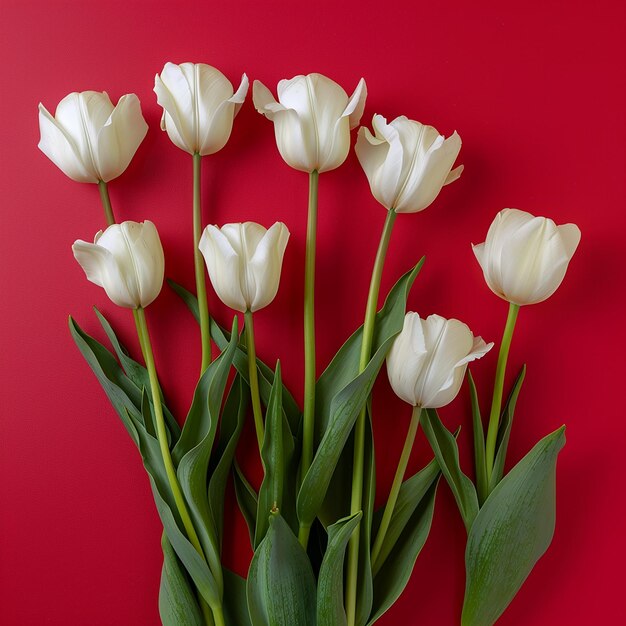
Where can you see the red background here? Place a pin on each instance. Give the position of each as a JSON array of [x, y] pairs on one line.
[[535, 90]]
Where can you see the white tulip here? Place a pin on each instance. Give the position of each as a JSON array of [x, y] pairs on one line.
[[88, 138], [407, 163], [199, 106], [127, 261], [524, 258], [244, 262], [312, 119], [428, 359]]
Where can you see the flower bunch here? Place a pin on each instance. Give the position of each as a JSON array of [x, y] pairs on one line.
[[322, 555]]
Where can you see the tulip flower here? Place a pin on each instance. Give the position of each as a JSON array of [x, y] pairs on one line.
[[428, 359], [244, 262], [199, 106], [524, 258], [126, 260], [407, 163], [312, 119], [89, 139]]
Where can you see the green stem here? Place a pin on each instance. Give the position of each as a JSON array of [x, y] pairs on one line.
[[203, 307], [179, 499], [395, 489], [356, 503], [254, 379], [309, 336], [106, 202], [498, 386]]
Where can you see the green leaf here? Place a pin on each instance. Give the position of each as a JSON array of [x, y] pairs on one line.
[[281, 585], [178, 605], [511, 532], [246, 499], [337, 378], [504, 431], [480, 464], [411, 494], [235, 603], [330, 607], [395, 572], [123, 395], [136, 372], [266, 375], [193, 466], [276, 455], [231, 425], [443, 444]]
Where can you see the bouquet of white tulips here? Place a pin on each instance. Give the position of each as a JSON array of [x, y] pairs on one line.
[[322, 554]]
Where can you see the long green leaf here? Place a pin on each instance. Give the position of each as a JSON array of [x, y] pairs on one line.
[[281, 585], [446, 450], [178, 605], [330, 607], [247, 499], [395, 572], [412, 492], [480, 465], [504, 430], [193, 466], [231, 425], [235, 602], [512, 531], [340, 374], [136, 372]]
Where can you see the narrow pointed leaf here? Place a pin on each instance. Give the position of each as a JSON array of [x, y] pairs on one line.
[[247, 500], [480, 465], [446, 450], [512, 531], [235, 602], [330, 607], [504, 430]]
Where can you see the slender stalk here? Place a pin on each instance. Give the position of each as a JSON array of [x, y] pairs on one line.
[[106, 202], [179, 499], [395, 489], [309, 331], [254, 379], [203, 307], [356, 503], [498, 386]]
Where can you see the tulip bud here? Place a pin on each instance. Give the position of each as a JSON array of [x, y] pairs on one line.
[[312, 119], [127, 261], [524, 258], [407, 163], [89, 139], [244, 262], [428, 359], [198, 106]]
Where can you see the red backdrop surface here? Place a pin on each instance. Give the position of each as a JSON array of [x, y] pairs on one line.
[[535, 90]]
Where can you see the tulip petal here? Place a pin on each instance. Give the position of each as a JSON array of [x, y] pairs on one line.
[[120, 137], [356, 104], [265, 266], [223, 266], [455, 174], [61, 149], [175, 96], [386, 184], [263, 99], [95, 261], [239, 96]]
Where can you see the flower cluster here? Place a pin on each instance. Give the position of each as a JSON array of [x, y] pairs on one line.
[[524, 260]]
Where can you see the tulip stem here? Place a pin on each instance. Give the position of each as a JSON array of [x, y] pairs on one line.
[[179, 499], [254, 379], [395, 490], [309, 336], [356, 503], [203, 307], [106, 202], [498, 386]]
